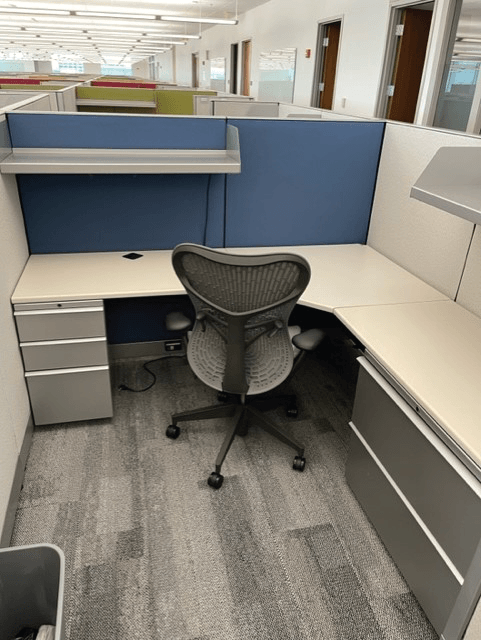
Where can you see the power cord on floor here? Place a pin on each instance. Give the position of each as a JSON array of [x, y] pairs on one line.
[[122, 387]]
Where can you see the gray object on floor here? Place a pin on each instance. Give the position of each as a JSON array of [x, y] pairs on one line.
[[31, 590]]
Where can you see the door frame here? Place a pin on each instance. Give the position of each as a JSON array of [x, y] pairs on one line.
[[234, 66], [246, 78], [195, 69], [396, 6], [318, 71]]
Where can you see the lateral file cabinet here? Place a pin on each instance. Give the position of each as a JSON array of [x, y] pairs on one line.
[[422, 500], [64, 349]]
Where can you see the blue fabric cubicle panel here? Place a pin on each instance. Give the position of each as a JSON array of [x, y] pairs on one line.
[[60, 130], [104, 212], [302, 182]]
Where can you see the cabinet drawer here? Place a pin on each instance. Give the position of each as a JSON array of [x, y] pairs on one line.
[[440, 488], [64, 353], [63, 395], [428, 575], [53, 324]]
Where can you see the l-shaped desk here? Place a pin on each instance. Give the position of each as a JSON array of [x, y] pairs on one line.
[[421, 364]]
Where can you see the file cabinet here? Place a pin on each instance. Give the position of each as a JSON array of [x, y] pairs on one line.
[[422, 500], [64, 350]]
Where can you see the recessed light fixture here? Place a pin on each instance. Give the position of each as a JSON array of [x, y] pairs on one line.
[[44, 12], [98, 14], [201, 20]]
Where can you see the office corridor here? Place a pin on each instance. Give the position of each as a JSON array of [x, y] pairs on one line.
[[152, 552]]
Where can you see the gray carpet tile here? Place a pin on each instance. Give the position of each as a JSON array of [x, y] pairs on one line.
[[152, 552]]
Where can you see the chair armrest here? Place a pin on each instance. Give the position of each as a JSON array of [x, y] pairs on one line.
[[177, 322], [308, 340]]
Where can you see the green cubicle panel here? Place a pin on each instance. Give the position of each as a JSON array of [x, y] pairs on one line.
[[116, 100], [115, 93], [177, 101]]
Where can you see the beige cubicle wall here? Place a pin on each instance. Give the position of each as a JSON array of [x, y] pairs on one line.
[[469, 292], [27, 101], [15, 419], [430, 243]]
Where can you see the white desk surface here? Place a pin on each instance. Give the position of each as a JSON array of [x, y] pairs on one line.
[[430, 344], [342, 276], [433, 349]]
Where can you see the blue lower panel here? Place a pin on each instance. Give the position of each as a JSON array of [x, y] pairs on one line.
[[134, 320], [302, 182], [104, 212]]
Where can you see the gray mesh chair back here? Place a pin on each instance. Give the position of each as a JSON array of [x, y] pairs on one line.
[[240, 342]]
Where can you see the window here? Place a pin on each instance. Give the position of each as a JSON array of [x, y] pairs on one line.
[[67, 66], [458, 102]]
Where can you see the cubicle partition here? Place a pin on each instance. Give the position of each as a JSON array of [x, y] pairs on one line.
[[109, 212], [301, 182]]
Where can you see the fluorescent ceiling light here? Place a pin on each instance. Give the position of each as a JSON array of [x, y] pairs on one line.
[[47, 12], [98, 14], [203, 20], [162, 42]]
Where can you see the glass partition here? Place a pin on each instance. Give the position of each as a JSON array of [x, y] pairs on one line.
[[459, 95], [218, 74], [277, 75]]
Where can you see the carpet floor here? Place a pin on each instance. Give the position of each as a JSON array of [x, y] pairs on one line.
[[152, 552]]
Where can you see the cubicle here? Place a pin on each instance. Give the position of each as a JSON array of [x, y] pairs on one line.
[[128, 98], [300, 182]]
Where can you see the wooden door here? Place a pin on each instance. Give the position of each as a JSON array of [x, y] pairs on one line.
[[331, 42], [409, 63], [246, 53]]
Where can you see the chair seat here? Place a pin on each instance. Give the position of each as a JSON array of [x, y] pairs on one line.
[[268, 360]]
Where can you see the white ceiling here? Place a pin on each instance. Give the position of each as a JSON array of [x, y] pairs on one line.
[[126, 31]]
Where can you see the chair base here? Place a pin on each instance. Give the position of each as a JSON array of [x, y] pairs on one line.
[[244, 415]]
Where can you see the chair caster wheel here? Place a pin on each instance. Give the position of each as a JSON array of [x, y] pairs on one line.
[[223, 397], [215, 480], [292, 412], [173, 431], [299, 463]]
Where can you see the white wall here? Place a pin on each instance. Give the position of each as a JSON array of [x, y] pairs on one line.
[[280, 24], [165, 67], [141, 69], [43, 66], [14, 403], [93, 67]]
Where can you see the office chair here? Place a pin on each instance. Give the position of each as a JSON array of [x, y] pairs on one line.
[[240, 343]]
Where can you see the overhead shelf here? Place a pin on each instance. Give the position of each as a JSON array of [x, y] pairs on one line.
[[90, 102], [121, 161], [126, 161], [451, 182]]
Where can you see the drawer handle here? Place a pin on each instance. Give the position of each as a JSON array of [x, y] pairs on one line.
[[66, 341], [70, 370], [72, 310]]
